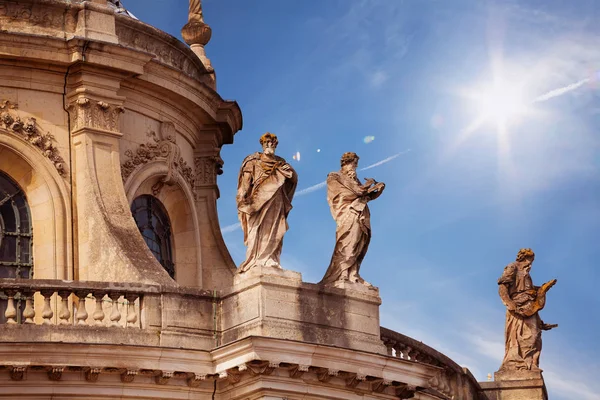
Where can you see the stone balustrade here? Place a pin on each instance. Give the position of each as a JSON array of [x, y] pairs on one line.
[[453, 382], [75, 303]]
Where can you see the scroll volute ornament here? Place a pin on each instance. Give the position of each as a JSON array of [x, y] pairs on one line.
[[162, 146]]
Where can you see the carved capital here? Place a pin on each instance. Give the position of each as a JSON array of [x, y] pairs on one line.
[[29, 131], [88, 113], [17, 372]]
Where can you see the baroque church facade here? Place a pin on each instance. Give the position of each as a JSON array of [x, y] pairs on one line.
[[115, 281]]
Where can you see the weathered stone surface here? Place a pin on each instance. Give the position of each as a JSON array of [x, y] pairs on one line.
[[266, 186], [523, 330], [525, 385], [348, 199]]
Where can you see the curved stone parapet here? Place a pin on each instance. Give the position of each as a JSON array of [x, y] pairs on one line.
[[452, 382]]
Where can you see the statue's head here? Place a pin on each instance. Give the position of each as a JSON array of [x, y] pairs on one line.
[[526, 255], [349, 160], [269, 143]]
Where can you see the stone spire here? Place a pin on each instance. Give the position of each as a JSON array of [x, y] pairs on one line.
[[197, 34]]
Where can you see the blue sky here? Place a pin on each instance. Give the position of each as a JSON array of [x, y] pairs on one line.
[[458, 205]]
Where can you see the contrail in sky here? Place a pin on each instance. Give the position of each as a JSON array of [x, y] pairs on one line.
[[313, 188], [558, 92]]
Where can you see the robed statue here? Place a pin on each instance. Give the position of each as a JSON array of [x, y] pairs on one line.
[[523, 301], [266, 186], [348, 199]]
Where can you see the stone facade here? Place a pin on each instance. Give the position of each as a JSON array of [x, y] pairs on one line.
[[97, 110]]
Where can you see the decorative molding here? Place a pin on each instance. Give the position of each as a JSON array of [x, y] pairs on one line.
[[128, 376], [207, 169], [161, 50], [17, 372], [195, 380], [44, 17], [29, 131], [55, 373], [296, 371], [162, 147], [88, 113], [163, 377], [231, 376], [92, 374]]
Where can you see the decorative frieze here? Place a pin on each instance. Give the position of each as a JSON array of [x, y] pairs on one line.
[[88, 113], [164, 148], [29, 131]]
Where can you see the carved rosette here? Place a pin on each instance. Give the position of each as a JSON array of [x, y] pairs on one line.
[[207, 169], [29, 131], [163, 148], [87, 113]]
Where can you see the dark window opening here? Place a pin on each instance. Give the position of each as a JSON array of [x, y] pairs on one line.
[[16, 238], [153, 222]]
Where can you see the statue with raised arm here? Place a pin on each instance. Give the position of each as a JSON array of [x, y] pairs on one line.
[[266, 186], [348, 199], [523, 301]]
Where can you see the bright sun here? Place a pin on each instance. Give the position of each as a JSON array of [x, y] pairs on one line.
[[501, 103]]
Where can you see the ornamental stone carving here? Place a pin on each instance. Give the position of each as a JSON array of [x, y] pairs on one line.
[[523, 329], [207, 169], [87, 113], [348, 199], [161, 147], [39, 15], [163, 52], [29, 131]]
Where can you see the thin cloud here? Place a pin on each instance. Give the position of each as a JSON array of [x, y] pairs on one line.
[[311, 189], [231, 228], [560, 91], [385, 160]]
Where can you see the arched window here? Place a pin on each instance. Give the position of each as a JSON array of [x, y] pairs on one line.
[[16, 259], [153, 222]]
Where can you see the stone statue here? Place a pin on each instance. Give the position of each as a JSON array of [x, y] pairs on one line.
[[266, 186], [195, 11], [348, 199], [523, 301]]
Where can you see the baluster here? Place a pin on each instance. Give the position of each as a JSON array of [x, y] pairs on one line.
[[115, 314], [11, 311], [64, 313], [131, 311], [28, 312], [98, 314], [82, 314], [47, 312]]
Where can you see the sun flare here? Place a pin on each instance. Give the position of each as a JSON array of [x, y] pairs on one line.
[[501, 103]]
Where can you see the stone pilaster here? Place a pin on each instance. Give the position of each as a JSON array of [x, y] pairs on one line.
[[109, 246]]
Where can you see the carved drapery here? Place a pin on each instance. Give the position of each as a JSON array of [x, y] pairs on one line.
[[207, 169], [29, 131], [162, 147], [88, 113]]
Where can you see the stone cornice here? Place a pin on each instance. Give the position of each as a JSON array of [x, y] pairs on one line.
[[231, 364]]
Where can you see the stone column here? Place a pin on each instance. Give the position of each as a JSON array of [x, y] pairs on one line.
[[108, 246], [217, 265]]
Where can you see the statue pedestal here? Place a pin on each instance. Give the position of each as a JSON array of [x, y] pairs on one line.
[[516, 385], [276, 303]]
